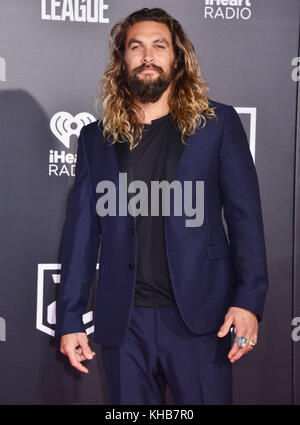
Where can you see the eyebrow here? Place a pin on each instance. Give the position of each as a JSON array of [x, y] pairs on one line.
[[135, 40]]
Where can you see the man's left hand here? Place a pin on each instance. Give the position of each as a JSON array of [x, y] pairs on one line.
[[246, 324]]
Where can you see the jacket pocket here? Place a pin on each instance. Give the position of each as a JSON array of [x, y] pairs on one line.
[[218, 250]]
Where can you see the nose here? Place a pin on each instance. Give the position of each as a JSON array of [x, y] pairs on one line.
[[147, 56]]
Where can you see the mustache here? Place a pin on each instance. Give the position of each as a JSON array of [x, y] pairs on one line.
[[141, 68]]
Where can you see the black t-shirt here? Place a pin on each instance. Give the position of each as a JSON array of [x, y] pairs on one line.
[[153, 284]]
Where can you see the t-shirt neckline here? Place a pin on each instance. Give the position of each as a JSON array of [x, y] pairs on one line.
[[157, 120]]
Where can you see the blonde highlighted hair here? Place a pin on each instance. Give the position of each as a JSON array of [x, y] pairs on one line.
[[188, 103]]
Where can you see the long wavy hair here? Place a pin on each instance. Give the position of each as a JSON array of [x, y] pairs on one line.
[[188, 103]]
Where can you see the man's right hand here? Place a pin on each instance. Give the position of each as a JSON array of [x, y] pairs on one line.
[[76, 347]]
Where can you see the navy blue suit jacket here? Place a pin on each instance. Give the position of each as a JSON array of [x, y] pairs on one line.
[[209, 272]]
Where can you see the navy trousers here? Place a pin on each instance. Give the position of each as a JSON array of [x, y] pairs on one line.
[[158, 350]]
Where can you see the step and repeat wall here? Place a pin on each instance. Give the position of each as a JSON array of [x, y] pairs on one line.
[[52, 54]]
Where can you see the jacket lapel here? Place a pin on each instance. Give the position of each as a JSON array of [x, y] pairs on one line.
[[123, 154], [175, 151]]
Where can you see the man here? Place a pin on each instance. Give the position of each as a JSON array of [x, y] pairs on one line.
[[168, 293]]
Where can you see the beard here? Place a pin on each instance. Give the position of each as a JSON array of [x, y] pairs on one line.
[[150, 88]]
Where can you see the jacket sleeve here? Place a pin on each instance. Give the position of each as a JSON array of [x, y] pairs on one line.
[[243, 215], [80, 247]]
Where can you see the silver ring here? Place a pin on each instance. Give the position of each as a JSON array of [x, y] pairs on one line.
[[241, 341]]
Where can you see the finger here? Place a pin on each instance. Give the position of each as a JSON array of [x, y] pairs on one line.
[[76, 363], [253, 339], [239, 354], [78, 349], [240, 331], [79, 354], [233, 351], [242, 350], [224, 329], [80, 357], [86, 350]]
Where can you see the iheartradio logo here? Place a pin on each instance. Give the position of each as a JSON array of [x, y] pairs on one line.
[[63, 125]]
